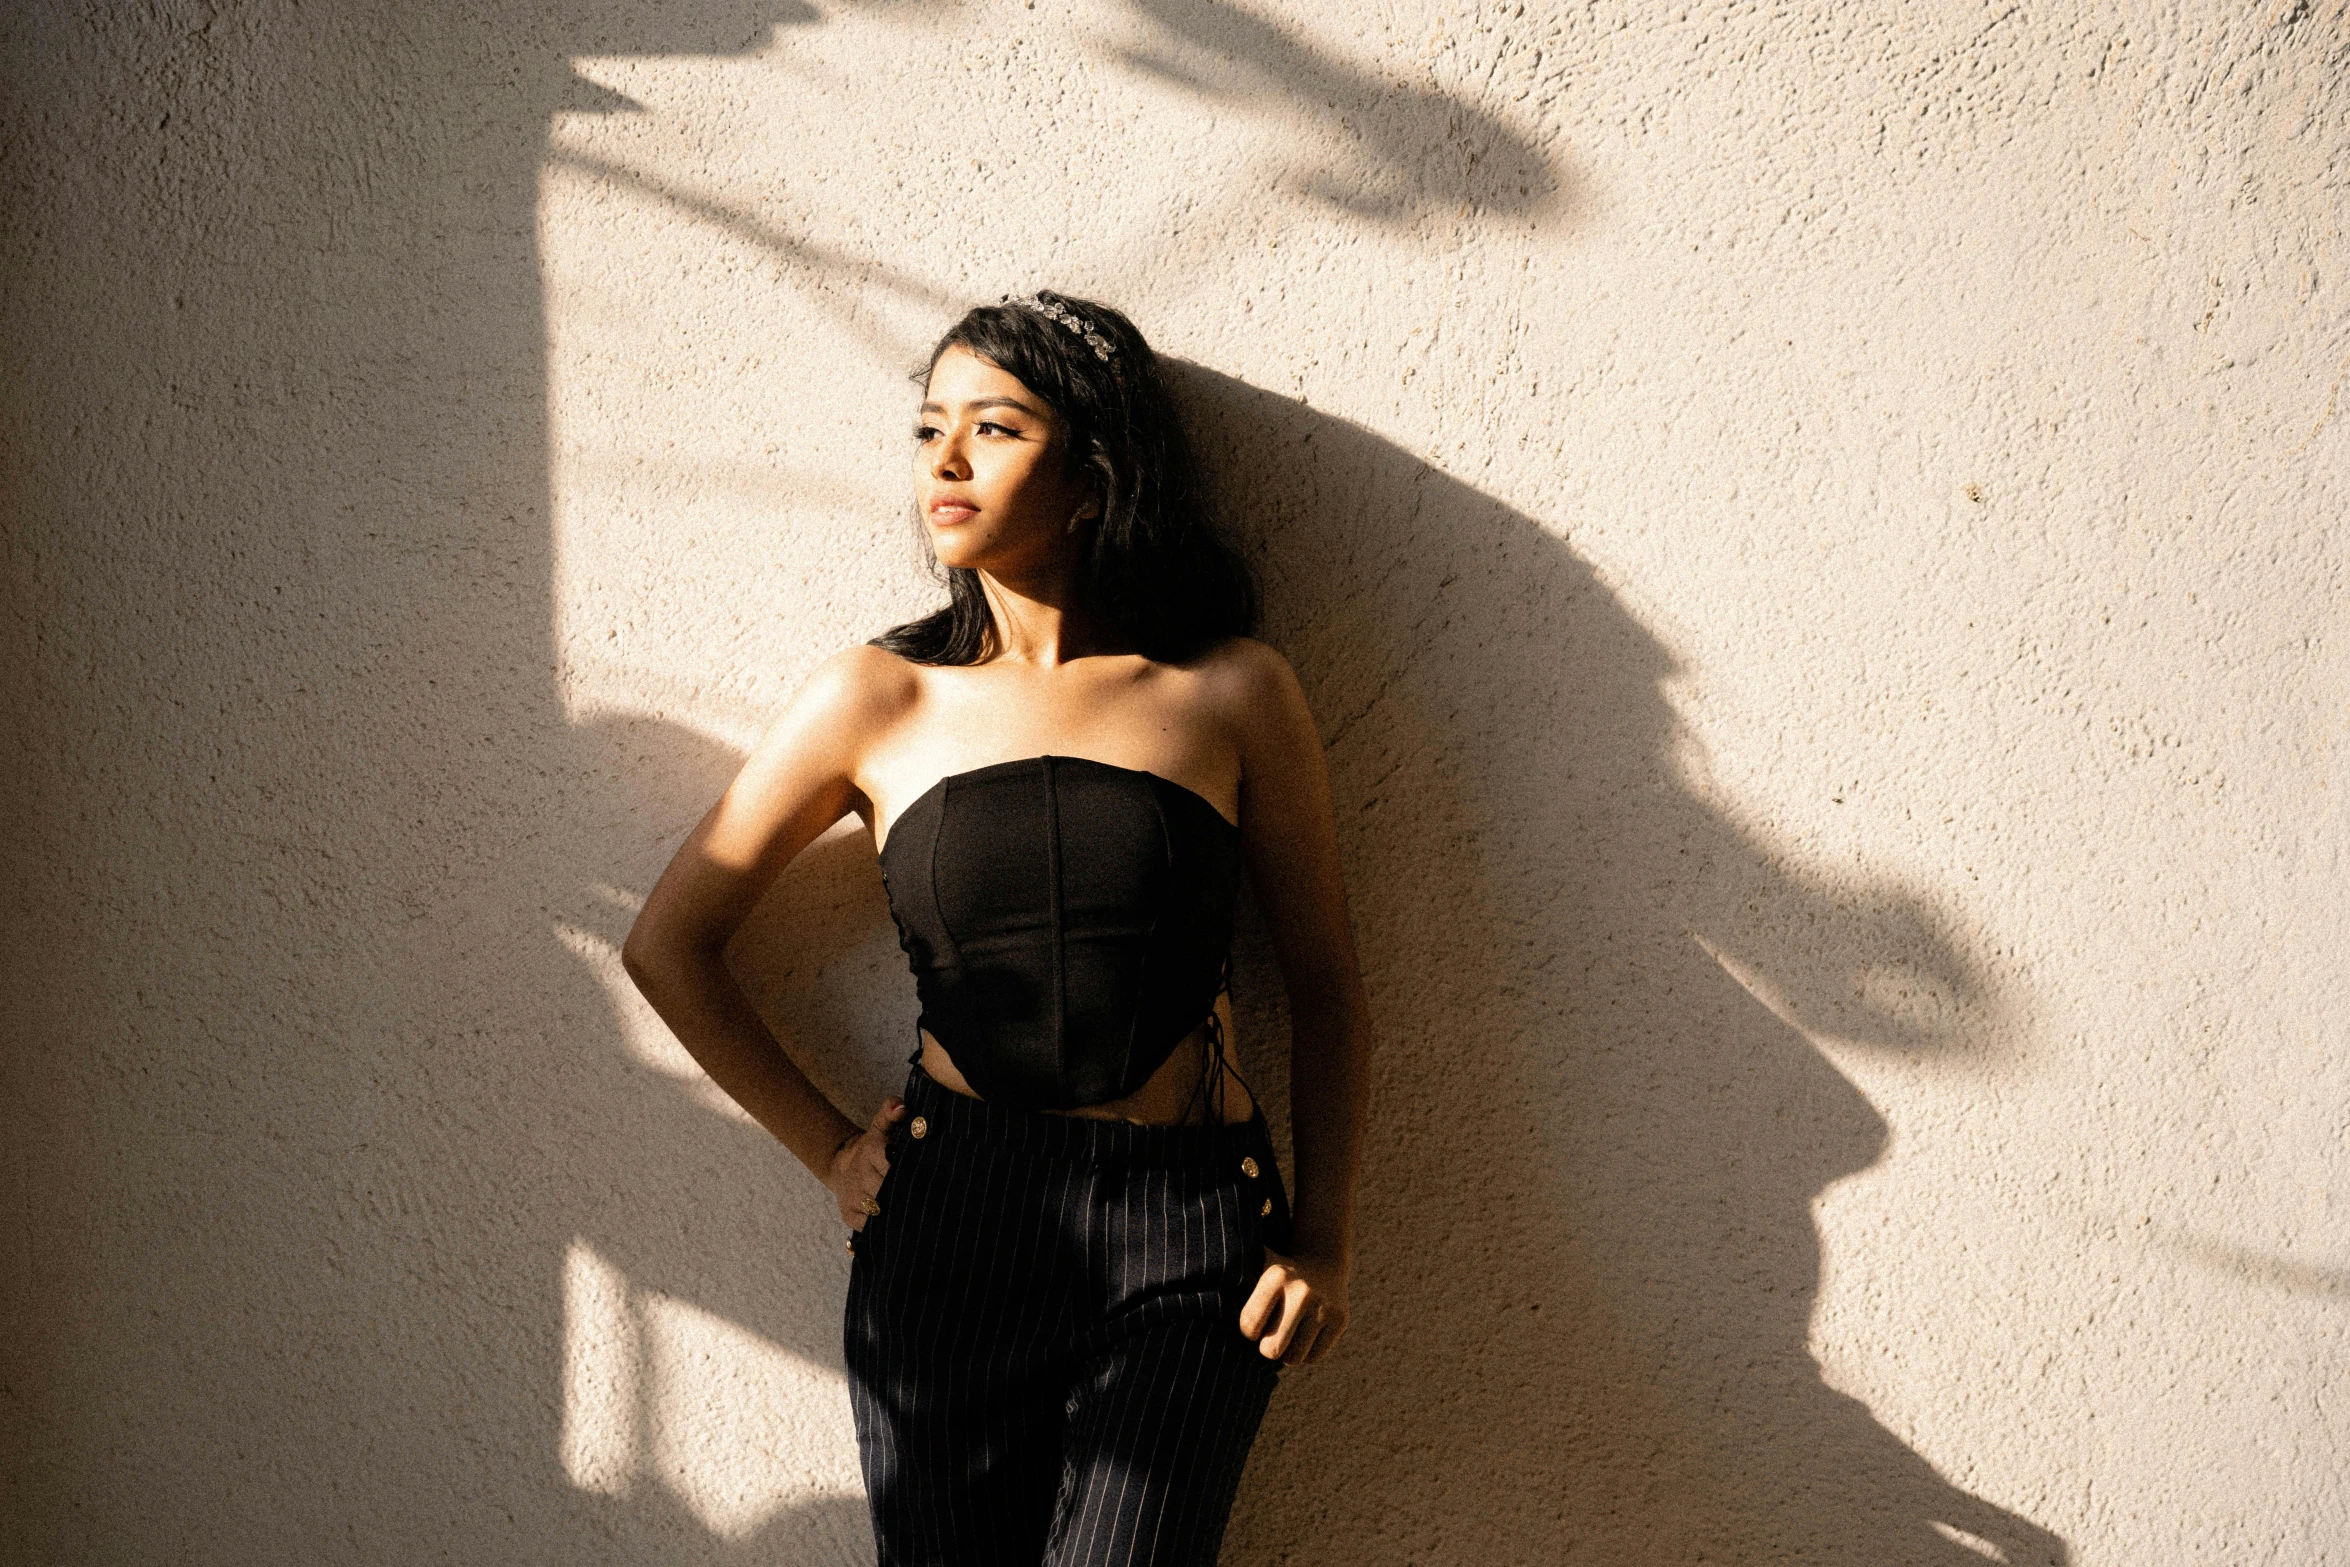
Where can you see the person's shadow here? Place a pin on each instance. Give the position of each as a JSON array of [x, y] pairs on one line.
[[1587, 1261]]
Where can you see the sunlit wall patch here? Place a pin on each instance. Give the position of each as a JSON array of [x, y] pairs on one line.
[[658, 1391]]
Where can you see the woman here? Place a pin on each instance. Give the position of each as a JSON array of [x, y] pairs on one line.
[[1076, 1274]]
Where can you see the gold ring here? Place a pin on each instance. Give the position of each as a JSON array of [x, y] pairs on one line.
[[872, 1208]]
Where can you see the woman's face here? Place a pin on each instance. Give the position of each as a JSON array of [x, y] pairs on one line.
[[990, 471]]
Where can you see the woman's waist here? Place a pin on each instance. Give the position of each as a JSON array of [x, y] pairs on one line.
[[945, 1121], [1173, 1095]]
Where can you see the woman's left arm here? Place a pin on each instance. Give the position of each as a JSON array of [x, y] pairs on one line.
[[1299, 1308]]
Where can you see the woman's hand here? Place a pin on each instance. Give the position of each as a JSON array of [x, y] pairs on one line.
[[1298, 1309], [859, 1164]]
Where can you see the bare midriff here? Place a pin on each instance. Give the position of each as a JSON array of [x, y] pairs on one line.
[[1159, 1102]]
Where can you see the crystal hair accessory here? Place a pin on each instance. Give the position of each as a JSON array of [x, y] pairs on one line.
[[1068, 318]]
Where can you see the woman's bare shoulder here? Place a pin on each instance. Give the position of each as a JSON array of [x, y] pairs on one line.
[[1249, 681], [866, 677], [851, 697]]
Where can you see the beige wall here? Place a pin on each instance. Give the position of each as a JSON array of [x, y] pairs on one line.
[[1813, 535]]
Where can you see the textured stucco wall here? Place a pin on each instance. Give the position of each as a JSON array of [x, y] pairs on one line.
[[1813, 533]]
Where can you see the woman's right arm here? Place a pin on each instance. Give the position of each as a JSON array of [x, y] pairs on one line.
[[799, 781]]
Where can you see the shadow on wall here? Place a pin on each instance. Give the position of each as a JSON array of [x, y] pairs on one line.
[[1391, 150], [393, 1101], [1588, 1257]]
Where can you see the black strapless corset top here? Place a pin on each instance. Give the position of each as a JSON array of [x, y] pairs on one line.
[[1068, 923]]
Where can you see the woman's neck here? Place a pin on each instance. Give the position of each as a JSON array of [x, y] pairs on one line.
[[1038, 623]]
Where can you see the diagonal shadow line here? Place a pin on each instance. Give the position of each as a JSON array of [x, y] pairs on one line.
[[1404, 127], [2283, 1274], [790, 250]]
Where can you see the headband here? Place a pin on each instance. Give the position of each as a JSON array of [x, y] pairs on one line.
[[1051, 311]]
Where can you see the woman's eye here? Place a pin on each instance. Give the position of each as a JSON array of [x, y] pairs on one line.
[[923, 432], [1000, 429]]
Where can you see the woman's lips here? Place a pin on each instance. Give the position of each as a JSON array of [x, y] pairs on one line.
[[947, 513]]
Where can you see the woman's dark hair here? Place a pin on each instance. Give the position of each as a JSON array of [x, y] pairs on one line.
[[1154, 568]]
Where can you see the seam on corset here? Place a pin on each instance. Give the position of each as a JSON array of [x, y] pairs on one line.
[[1150, 944], [1052, 860]]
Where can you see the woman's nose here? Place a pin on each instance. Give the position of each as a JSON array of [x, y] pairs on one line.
[[948, 461]]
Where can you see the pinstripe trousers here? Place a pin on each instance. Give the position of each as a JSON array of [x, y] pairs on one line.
[[1043, 1334]]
